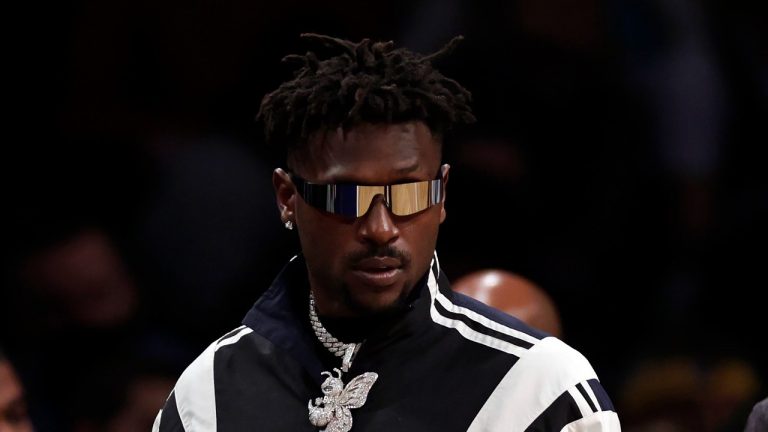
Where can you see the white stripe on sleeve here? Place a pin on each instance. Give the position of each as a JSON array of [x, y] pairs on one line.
[[241, 331], [464, 329], [195, 395], [156, 424]]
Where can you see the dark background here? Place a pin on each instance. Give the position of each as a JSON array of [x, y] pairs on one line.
[[618, 162]]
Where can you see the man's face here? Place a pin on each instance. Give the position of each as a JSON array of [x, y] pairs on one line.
[[13, 409], [366, 265]]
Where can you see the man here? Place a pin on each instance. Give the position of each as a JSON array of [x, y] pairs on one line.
[[512, 294], [361, 331], [13, 407]]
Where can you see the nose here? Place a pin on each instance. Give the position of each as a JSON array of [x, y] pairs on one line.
[[376, 225]]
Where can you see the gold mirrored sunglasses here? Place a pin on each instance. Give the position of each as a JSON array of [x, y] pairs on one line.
[[353, 200]]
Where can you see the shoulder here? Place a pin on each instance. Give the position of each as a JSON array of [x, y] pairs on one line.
[[495, 315], [191, 405], [197, 379], [477, 322], [537, 352], [551, 385], [543, 361]]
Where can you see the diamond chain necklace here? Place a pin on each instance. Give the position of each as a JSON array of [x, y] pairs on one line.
[[332, 411], [335, 346]]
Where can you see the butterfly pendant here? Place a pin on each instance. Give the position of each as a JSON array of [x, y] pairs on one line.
[[332, 411]]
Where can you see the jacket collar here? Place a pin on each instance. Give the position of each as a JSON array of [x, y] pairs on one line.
[[281, 316]]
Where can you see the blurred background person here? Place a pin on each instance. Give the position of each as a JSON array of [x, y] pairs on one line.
[[13, 405], [514, 295], [689, 393], [79, 302], [94, 365]]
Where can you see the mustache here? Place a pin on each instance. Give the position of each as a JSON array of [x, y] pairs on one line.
[[373, 251]]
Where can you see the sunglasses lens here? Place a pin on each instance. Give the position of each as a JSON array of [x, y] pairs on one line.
[[409, 198], [354, 201]]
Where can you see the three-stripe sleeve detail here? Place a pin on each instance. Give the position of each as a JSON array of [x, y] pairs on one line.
[[579, 409], [548, 368], [472, 325]]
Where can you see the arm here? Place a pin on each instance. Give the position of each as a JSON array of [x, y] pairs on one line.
[[552, 388], [591, 409]]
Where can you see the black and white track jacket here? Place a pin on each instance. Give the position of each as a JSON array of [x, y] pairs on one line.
[[449, 363]]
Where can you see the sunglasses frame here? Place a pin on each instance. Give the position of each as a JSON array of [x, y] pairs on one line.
[[353, 200]]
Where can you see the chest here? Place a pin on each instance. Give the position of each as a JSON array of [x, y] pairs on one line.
[[439, 388]]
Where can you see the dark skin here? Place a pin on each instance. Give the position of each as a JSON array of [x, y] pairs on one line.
[[368, 265]]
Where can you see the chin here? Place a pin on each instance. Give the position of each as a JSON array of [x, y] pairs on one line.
[[377, 303]]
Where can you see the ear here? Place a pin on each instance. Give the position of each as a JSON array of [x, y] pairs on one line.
[[444, 171], [285, 193]]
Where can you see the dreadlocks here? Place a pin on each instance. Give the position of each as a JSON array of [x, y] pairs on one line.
[[363, 82]]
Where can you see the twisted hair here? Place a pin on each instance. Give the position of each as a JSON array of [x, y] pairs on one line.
[[363, 82]]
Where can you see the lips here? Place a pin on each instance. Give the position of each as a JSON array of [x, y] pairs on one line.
[[378, 264], [379, 271]]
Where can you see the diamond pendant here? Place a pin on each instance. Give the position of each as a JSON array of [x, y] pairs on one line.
[[332, 411]]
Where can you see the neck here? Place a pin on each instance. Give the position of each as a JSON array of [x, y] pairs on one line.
[[327, 307], [354, 329]]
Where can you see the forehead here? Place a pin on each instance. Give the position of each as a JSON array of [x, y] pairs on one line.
[[371, 154]]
